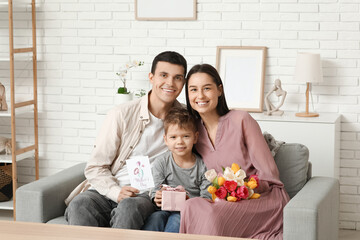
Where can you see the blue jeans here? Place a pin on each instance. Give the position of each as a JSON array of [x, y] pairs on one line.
[[163, 221]]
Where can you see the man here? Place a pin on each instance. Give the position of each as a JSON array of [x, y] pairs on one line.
[[131, 129]]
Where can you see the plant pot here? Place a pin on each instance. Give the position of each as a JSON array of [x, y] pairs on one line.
[[122, 98]]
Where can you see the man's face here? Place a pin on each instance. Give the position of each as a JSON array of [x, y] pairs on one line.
[[167, 81]]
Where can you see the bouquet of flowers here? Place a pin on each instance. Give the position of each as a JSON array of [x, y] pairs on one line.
[[122, 74], [232, 185]]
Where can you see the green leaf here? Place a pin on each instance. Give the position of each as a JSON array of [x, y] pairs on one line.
[[215, 183]]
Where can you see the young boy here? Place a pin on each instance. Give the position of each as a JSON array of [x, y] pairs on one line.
[[179, 166]]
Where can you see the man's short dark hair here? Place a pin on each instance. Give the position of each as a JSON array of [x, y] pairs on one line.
[[170, 57]]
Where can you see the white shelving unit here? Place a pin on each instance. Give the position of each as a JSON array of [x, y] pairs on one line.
[[17, 54], [321, 135]]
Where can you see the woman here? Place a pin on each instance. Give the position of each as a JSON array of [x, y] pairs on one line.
[[227, 137]]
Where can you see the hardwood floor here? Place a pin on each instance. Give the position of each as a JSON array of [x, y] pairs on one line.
[[343, 234]]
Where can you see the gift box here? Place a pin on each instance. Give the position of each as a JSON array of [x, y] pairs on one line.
[[173, 200]]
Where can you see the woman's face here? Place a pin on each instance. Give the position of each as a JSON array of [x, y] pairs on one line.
[[203, 93]]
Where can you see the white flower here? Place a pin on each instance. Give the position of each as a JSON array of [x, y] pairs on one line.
[[229, 174], [124, 70], [240, 174], [238, 177], [210, 175]]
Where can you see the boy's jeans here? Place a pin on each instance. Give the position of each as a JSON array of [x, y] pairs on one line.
[[163, 221]]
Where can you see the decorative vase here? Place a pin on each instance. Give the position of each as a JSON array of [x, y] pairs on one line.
[[122, 98]]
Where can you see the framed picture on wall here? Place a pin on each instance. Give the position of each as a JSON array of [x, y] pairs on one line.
[[242, 70], [165, 9]]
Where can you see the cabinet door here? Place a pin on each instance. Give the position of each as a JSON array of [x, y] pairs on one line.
[[320, 138]]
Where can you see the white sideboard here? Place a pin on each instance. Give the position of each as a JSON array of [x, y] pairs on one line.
[[320, 134]]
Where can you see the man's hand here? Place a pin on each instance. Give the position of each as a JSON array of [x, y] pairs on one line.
[[127, 192], [158, 198]]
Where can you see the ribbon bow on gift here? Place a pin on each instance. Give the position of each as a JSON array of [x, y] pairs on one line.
[[176, 189]]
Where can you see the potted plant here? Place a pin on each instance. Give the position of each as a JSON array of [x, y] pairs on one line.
[[123, 94]]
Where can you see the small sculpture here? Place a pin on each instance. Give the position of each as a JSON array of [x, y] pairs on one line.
[[5, 145], [271, 109], [3, 104]]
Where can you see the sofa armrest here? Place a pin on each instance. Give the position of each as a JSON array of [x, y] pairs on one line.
[[313, 212], [43, 200]]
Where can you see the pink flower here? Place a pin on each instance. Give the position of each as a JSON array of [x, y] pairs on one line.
[[242, 192], [230, 185], [235, 195], [221, 193], [136, 171]]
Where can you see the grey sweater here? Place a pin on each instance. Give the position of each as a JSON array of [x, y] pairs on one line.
[[166, 171]]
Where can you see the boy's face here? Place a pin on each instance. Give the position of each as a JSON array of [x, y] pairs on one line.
[[167, 81], [179, 140]]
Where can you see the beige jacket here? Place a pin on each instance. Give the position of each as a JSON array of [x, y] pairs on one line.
[[119, 134]]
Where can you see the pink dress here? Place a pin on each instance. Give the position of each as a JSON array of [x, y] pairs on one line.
[[238, 140]]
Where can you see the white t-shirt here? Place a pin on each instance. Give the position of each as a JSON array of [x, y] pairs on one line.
[[151, 144]]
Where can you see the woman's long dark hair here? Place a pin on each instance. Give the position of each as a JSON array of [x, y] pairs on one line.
[[221, 107]]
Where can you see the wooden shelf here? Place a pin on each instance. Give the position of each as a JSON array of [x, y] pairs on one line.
[[8, 158], [6, 113], [16, 58], [27, 53], [18, 3], [8, 205]]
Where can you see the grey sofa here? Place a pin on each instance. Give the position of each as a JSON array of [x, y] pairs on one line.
[[312, 212]]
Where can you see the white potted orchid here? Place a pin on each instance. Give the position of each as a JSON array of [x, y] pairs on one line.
[[123, 94]]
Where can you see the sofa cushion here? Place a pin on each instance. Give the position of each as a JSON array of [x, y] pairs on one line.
[[292, 162], [58, 220]]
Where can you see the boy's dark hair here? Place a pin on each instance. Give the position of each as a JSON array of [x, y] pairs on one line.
[[170, 57], [180, 117]]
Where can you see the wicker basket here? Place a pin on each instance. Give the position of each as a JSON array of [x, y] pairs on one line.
[[5, 182]]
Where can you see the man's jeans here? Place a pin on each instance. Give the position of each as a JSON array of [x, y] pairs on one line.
[[93, 209], [163, 221]]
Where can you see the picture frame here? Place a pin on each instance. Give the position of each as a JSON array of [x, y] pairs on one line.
[[165, 10], [242, 70]]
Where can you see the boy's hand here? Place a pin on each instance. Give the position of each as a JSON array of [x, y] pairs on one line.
[[158, 198], [127, 192]]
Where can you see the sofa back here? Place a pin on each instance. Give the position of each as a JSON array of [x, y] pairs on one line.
[[292, 160]]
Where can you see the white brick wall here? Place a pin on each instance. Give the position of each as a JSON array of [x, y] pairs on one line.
[[82, 43]]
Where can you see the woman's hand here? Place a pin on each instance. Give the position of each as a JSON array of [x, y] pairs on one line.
[[127, 192], [158, 198]]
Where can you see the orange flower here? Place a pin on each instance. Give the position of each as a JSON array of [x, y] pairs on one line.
[[221, 181], [211, 189], [252, 183], [231, 199], [255, 196], [213, 196], [235, 167]]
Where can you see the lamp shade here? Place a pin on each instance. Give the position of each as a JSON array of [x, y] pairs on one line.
[[308, 68]]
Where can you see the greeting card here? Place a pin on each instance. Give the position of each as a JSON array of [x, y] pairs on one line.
[[139, 170]]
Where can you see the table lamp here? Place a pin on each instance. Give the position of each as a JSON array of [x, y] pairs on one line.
[[308, 69]]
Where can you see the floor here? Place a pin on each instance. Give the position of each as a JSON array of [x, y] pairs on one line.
[[343, 234]]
